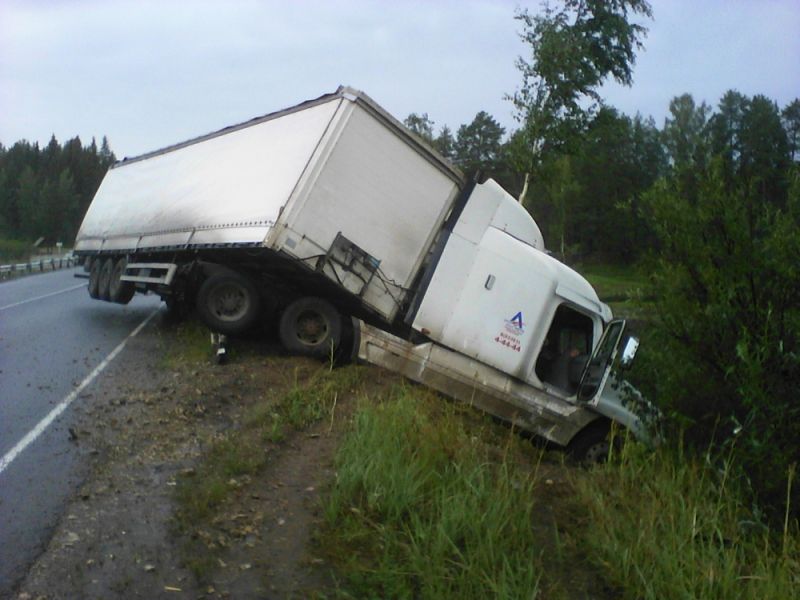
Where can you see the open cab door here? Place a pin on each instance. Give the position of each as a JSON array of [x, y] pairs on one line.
[[596, 373]]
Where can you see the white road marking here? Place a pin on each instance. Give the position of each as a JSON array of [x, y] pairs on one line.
[[74, 287], [34, 433]]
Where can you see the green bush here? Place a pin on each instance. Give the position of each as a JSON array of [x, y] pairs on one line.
[[13, 250], [724, 353]]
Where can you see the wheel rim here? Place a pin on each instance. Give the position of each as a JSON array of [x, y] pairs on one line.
[[312, 328], [229, 302], [597, 452]]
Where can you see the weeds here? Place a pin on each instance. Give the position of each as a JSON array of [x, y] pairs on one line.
[[426, 505], [663, 525], [421, 509]]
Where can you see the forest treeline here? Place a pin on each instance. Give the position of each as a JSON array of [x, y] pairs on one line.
[[44, 192], [587, 195]]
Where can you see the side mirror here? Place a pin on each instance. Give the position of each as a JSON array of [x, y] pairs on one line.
[[629, 352]]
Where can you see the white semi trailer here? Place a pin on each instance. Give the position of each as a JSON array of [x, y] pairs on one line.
[[356, 237]]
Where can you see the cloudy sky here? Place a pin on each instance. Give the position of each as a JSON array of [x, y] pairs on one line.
[[151, 73]]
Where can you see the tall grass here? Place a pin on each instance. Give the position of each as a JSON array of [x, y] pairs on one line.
[[424, 508], [664, 525]]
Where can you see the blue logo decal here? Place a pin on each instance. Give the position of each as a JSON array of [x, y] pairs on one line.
[[515, 324]]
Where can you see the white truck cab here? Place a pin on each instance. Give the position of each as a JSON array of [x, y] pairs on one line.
[[512, 330]]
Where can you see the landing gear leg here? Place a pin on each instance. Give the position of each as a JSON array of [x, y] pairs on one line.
[[220, 341]]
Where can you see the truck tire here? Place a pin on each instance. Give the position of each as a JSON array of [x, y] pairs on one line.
[[104, 284], [94, 278], [228, 302], [311, 327], [591, 446], [120, 291], [349, 342]]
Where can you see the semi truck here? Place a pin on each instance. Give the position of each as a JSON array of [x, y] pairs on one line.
[[355, 238]]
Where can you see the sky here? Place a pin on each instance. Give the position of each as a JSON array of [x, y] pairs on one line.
[[148, 74]]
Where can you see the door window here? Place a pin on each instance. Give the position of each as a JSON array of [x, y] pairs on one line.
[[566, 349]]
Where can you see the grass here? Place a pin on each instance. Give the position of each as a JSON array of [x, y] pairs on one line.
[[663, 525], [424, 508], [613, 281], [622, 288], [429, 505], [189, 344]]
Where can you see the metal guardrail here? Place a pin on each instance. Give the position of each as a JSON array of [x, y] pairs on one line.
[[37, 266]]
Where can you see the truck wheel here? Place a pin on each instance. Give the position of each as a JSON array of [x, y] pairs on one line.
[[310, 326], [104, 284], [228, 302], [94, 279], [120, 291], [349, 342], [591, 446]]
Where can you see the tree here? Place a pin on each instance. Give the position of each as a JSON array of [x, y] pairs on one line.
[[66, 205], [574, 50], [616, 161], [561, 189], [726, 345], [686, 141], [726, 130], [647, 164], [477, 145], [685, 132], [444, 142], [29, 203], [790, 116], [45, 192], [421, 125], [106, 156], [7, 203], [765, 150]]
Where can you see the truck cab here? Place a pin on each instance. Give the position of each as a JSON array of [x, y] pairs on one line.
[[498, 297], [503, 319]]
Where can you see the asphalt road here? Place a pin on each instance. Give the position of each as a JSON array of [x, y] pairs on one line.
[[53, 338]]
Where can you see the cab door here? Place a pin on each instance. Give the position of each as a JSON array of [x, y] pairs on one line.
[[595, 374]]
